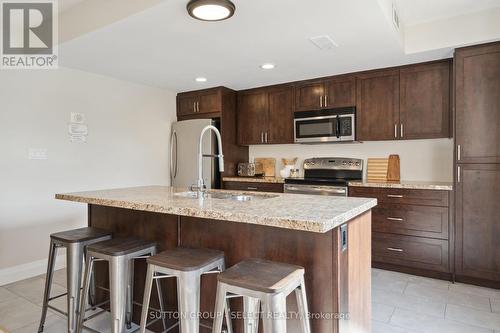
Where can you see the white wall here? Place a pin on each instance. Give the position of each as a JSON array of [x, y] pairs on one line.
[[424, 160], [127, 145]]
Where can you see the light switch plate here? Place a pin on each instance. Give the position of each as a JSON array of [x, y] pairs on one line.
[[37, 154], [77, 118]]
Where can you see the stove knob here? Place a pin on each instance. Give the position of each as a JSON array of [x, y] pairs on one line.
[[344, 163], [357, 163]]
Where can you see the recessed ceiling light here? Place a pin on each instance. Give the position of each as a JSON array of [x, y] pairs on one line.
[[201, 79], [267, 66], [211, 10]]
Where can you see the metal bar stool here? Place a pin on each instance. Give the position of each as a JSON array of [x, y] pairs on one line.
[[75, 242], [120, 254], [267, 283], [187, 266]]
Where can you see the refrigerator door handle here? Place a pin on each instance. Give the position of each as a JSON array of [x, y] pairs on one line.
[[173, 169]]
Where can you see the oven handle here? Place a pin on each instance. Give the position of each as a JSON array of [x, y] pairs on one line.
[[302, 188]]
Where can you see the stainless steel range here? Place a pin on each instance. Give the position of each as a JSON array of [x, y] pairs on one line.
[[326, 176]]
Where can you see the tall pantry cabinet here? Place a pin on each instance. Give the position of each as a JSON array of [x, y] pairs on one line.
[[477, 164]]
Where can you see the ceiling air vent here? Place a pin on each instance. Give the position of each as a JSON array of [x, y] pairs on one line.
[[324, 42]]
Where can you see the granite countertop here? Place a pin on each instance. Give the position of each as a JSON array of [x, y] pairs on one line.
[[412, 185], [277, 180], [290, 211]]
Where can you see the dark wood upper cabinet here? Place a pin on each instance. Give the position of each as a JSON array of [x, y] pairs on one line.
[[280, 117], [200, 103], [425, 101], [476, 217], [265, 115], [253, 109], [477, 114], [309, 96], [340, 92], [377, 105], [325, 94]]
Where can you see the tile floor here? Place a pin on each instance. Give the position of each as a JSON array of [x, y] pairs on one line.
[[401, 304]]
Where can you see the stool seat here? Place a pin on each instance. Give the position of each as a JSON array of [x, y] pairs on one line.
[[261, 275], [80, 235], [120, 246], [186, 259]]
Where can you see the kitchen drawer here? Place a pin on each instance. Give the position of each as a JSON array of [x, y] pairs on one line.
[[415, 252], [249, 186], [402, 196], [411, 220]]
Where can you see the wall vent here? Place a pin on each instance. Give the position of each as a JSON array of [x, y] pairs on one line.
[[324, 42]]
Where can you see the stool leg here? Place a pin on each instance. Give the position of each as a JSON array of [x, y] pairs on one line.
[[48, 283], [147, 297], [89, 263], [301, 296], [251, 309], [130, 293], [161, 303], [118, 280], [274, 319], [220, 305], [188, 291], [74, 262], [227, 310], [92, 298]]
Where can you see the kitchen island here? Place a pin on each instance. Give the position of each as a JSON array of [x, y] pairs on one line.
[[329, 236]]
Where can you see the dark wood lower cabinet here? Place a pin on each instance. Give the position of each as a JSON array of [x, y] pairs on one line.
[[478, 224], [412, 230]]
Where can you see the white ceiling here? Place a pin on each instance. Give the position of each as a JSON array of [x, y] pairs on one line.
[[419, 11], [164, 47]]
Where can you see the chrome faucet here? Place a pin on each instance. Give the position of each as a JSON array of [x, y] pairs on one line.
[[200, 186]]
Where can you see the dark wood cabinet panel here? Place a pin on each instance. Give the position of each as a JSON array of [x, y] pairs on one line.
[[477, 119], [309, 96], [425, 101], [186, 105], [255, 186], [209, 102], [402, 196], [377, 101], [280, 117], [411, 220], [340, 92], [253, 109], [416, 252], [477, 212], [200, 103]]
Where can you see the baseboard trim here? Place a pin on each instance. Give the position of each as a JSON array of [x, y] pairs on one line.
[[31, 269]]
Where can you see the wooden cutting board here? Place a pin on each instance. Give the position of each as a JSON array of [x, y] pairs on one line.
[[377, 169], [268, 164], [394, 169]]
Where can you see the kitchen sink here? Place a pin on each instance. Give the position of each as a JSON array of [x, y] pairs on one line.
[[225, 196]]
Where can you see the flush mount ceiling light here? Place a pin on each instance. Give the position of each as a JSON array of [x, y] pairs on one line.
[[267, 66], [201, 79], [211, 10]]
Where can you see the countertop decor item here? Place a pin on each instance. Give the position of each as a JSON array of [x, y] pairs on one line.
[[250, 170], [377, 169], [394, 170], [288, 166], [268, 164]]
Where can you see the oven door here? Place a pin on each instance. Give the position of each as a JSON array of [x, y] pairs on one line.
[[337, 191], [316, 129]]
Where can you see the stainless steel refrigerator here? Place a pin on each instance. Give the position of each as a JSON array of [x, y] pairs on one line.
[[184, 141]]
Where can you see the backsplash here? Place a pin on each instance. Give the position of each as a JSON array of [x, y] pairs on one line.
[[429, 160]]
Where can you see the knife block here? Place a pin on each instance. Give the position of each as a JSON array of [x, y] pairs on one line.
[[394, 169]]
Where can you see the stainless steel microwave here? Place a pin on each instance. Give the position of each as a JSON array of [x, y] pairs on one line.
[[333, 125]]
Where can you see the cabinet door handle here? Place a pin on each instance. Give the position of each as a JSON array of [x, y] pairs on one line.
[[261, 137], [395, 219], [394, 195], [265, 137], [459, 152], [396, 131], [402, 131], [458, 174], [194, 107], [393, 249], [198, 106], [320, 101], [326, 100], [251, 188]]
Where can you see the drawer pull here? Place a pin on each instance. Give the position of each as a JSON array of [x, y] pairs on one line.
[[252, 188], [395, 249], [394, 195], [395, 219]]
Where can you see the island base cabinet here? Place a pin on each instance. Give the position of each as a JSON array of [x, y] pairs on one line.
[[337, 263]]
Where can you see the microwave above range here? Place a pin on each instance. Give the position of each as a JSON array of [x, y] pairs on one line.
[[333, 125]]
